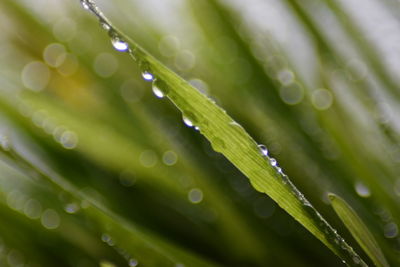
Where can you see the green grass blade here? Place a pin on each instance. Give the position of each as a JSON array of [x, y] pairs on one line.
[[358, 230], [148, 248], [230, 139]]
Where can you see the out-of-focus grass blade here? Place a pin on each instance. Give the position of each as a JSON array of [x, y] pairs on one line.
[[150, 249], [358, 229]]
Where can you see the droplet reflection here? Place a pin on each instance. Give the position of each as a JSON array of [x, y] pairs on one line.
[[119, 44]]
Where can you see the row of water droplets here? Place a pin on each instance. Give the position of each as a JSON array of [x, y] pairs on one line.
[[160, 88], [274, 164], [106, 238], [119, 43], [332, 236], [132, 262]]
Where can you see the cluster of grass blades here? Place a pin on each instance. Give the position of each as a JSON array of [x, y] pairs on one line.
[[96, 171]]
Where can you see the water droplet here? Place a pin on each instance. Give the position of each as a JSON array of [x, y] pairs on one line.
[[105, 25], [146, 71], [106, 238], [160, 88], [263, 150], [148, 76], [390, 230], [197, 128], [85, 4], [195, 195], [157, 92], [119, 44], [189, 118], [71, 208], [273, 162], [285, 178], [362, 190], [133, 262], [187, 121]]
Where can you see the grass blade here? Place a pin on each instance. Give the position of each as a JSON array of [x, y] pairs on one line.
[[358, 230], [148, 248], [230, 139]]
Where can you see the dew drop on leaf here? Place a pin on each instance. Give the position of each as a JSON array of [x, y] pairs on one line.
[[85, 4], [279, 170], [187, 121], [148, 76], [160, 88], [157, 92], [105, 25], [189, 118], [263, 149], [119, 44], [71, 208]]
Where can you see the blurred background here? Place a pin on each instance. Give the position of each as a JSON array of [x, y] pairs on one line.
[[97, 171]]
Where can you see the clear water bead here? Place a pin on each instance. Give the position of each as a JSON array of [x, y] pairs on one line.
[[157, 92], [119, 44], [263, 150], [273, 162], [160, 88], [105, 25], [71, 208], [188, 122], [85, 4], [147, 75]]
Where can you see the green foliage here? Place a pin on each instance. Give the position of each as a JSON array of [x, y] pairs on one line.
[[358, 230], [97, 171]]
